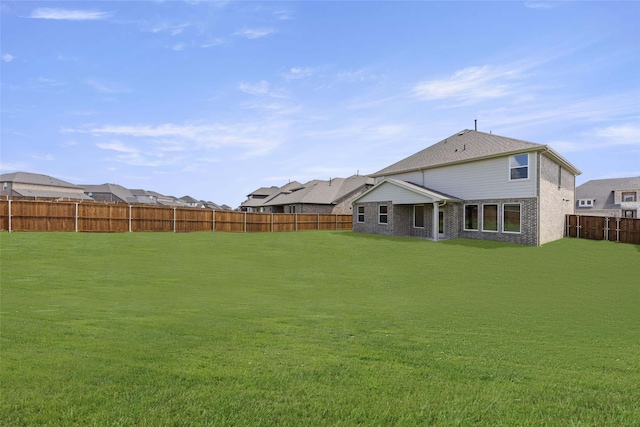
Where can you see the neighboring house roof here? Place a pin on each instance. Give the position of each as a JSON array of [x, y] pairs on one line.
[[120, 192], [188, 199], [142, 196], [602, 191], [321, 192], [37, 179], [467, 146], [263, 195], [428, 195], [52, 188]]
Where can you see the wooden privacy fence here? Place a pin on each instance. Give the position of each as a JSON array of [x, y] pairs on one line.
[[615, 229], [22, 215]]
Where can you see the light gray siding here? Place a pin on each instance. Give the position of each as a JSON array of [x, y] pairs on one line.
[[395, 194], [484, 179]]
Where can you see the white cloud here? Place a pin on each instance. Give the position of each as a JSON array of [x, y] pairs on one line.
[[7, 57], [539, 5], [298, 73], [214, 42], [254, 33], [616, 135], [69, 15], [255, 138], [179, 47], [107, 87], [262, 88], [173, 30], [469, 84]]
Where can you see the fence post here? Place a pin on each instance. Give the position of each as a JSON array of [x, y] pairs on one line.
[[9, 216], [336, 217], [213, 220], [295, 220], [618, 229], [174, 220], [318, 226], [578, 226], [272, 222], [130, 219], [245, 221], [606, 228], [76, 217]]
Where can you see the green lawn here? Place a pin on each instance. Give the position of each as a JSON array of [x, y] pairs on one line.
[[316, 329]]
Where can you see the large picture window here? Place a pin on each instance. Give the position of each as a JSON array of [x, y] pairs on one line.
[[489, 217], [360, 214], [470, 217], [382, 214], [418, 216], [511, 218], [519, 167]]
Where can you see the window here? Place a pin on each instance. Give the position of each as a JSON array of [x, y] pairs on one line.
[[628, 214], [628, 197], [292, 209], [470, 217], [519, 167], [511, 218], [585, 203], [490, 218], [382, 214], [360, 214], [418, 216]]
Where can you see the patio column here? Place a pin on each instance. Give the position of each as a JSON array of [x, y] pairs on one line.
[[436, 221]]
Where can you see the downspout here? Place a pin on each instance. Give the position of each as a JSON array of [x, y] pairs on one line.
[[538, 199]]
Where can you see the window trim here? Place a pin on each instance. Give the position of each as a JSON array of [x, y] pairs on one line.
[[464, 218], [381, 214], [497, 205], [358, 213], [414, 216], [528, 166], [505, 222]]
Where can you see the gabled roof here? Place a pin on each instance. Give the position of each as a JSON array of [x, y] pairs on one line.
[[601, 191], [265, 194], [37, 179], [321, 192], [409, 193], [118, 191], [467, 146]]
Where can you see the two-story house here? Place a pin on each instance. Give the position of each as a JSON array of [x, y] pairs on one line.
[[616, 197], [472, 185]]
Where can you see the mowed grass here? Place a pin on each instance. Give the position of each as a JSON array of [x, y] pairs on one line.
[[316, 329]]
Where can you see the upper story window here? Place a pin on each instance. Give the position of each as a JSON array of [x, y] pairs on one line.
[[585, 203], [628, 197], [519, 167]]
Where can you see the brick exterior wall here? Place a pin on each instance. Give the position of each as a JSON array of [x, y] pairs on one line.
[[557, 199], [400, 221]]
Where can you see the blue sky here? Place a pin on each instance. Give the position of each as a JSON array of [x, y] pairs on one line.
[[216, 99]]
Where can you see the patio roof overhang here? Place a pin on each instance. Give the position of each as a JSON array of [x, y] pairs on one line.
[[403, 193]]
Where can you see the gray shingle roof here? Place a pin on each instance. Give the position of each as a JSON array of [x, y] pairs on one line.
[[118, 191], [36, 178], [465, 146], [601, 191], [321, 192]]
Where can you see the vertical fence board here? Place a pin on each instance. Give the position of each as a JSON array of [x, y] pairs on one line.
[[623, 230], [38, 215]]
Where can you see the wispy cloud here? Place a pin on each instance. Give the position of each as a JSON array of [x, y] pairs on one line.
[[7, 57], [470, 84], [107, 87], [254, 138], [254, 33], [68, 14], [610, 136], [539, 5], [297, 73], [262, 88], [179, 47], [173, 30]]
